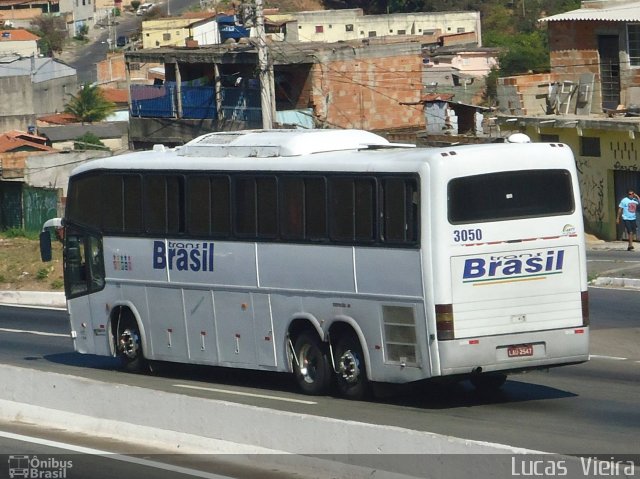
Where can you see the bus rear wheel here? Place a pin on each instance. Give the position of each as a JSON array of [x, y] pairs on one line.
[[311, 365], [351, 372]]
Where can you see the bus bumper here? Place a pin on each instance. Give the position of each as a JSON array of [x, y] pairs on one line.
[[533, 350]]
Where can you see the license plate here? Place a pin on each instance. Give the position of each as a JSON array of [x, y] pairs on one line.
[[520, 350]]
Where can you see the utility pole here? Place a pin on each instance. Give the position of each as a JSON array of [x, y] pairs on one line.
[[265, 71]]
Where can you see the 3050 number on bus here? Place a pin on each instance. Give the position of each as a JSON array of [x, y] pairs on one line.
[[462, 236]]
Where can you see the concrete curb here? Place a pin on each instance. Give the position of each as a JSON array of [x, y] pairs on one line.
[[34, 298], [185, 424], [632, 283]]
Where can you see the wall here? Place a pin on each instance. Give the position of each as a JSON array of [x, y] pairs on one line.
[[206, 33], [24, 48], [618, 153], [179, 29], [52, 170], [334, 22], [16, 104], [363, 92], [50, 96]]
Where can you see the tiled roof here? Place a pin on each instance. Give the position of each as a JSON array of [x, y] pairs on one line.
[[58, 119], [618, 12], [15, 140], [17, 36]]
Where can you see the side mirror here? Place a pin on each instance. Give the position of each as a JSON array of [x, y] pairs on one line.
[[45, 246]]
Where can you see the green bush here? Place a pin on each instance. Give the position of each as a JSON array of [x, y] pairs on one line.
[[43, 273], [57, 284], [15, 233]]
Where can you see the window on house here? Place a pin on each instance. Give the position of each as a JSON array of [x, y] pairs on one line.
[[590, 146], [402, 32], [166, 37], [372, 34], [549, 138], [319, 29], [633, 42], [349, 27], [460, 30]]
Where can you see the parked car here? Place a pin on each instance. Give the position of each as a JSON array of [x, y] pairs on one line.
[[144, 8], [122, 40]]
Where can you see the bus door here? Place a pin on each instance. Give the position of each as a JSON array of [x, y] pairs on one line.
[[83, 275]]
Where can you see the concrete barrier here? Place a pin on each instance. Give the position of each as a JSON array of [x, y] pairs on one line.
[[185, 424], [47, 299]]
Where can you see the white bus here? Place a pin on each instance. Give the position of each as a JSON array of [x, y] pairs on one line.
[[330, 254]]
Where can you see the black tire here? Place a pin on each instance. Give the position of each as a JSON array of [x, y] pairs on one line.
[[488, 382], [129, 347], [351, 371], [311, 364]]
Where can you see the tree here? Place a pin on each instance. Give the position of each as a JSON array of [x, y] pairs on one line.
[[89, 141], [89, 104], [52, 32]]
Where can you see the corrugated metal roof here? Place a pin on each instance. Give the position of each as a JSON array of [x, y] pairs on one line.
[[621, 12]]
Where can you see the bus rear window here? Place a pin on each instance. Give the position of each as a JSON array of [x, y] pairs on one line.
[[510, 195]]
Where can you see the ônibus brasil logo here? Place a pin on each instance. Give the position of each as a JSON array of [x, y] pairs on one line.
[[33, 467], [492, 269]]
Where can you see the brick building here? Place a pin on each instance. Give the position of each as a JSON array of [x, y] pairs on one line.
[[590, 100], [371, 84]]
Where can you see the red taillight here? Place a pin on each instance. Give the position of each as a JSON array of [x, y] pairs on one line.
[[444, 321], [584, 297]]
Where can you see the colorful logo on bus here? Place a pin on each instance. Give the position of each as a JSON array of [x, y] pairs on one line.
[[183, 256], [504, 268]]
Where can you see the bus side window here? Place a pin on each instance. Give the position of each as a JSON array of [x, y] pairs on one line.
[[400, 216]]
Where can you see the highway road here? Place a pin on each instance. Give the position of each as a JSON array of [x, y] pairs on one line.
[[590, 408]]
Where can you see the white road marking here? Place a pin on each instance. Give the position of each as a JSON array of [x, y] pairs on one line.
[[238, 393], [38, 333], [110, 455], [613, 358]]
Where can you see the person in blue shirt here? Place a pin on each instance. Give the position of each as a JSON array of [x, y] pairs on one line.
[[627, 212]]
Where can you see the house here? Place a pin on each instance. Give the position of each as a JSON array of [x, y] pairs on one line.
[[33, 184], [18, 42], [354, 84], [112, 71], [120, 98], [458, 70], [31, 87], [352, 24], [199, 28], [588, 101], [76, 13], [112, 134], [18, 141]]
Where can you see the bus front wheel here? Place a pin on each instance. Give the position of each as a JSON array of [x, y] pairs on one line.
[[351, 373], [311, 365], [130, 347]]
